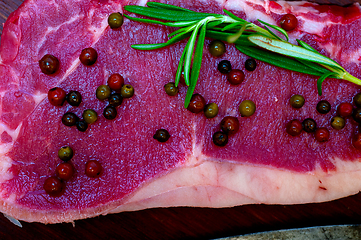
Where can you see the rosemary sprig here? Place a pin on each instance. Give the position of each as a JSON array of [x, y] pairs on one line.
[[257, 42]]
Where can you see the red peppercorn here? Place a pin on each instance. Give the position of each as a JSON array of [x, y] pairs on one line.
[[115, 81], [88, 56], [230, 125], [93, 168], [64, 171], [356, 141], [322, 134], [53, 186], [345, 109], [294, 127], [49, 64], [288, 22], [235, 76], [56, 96], [197, 103]]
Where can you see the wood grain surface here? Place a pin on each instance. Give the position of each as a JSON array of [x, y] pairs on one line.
[[185, 222]]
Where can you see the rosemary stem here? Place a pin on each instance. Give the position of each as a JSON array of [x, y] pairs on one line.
[[351, 78]]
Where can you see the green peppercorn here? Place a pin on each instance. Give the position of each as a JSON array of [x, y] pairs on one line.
[[65, 153], [338, 122], [103, 92], [127, 91], [90, 116], [211, 110], [297, 101], [217, 48], [115, 20], [171, 89], [247, 108]]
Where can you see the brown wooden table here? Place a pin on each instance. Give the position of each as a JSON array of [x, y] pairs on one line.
[[188, 223]]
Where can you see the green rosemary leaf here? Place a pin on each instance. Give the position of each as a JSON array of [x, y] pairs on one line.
[[167, 6], [230, 26], [273, 34], [234, 16], [277, 60], [320, 81], [305, 45], [166, 14], [214, 24], [169, 24], [180, 66], [154, 46], [189, 53], [196, 67], [314, 66], [182, 30], [242, 40], [281, 30], [291, 50]]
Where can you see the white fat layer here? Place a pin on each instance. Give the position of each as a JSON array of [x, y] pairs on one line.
[[5, 164], [251, 13], [208, 183]]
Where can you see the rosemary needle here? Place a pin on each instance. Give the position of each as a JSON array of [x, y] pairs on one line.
[[250, 39]]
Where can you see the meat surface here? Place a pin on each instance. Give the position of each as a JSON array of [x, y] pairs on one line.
[[260, 164]]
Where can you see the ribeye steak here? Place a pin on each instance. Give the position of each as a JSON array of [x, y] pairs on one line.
[[260, 164]]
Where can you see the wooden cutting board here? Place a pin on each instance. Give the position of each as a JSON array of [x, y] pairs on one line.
[[188, 223]]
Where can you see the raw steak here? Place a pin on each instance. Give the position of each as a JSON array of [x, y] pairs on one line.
[[260, 164]]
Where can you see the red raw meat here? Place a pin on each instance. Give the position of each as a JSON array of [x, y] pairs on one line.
[[260, 164]]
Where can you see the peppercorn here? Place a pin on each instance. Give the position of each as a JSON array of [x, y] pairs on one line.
[[338, 122], [69, 119], [93, 168], [345, 109], [250, 64], [110, 112], [322, 134], [357, 100], [211, 110], [56, 96], [115, 81], [288, 22], [49, 64], [65, 153], [161, 135], [88, 56], [53, 186], [294, 127], [127, 91], [309, 125], [64, 171], [297, 101], [356, 141], [230, 125], [90, 116], [115, 99], [356, 115], [82, 126], [115, 20], [220, 139], [103, 92], [196, 104], [217, 48], [171, 89], [235, 76], [323, 107], [74, 98], [224, 66], [247, 108]]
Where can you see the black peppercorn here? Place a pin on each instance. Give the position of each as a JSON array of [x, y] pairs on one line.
[[161, 135]]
